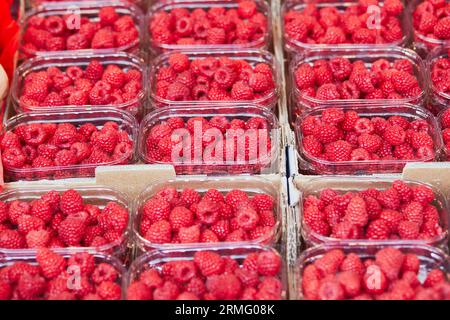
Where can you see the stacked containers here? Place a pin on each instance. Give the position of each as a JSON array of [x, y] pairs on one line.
[[306, 49], [424, 38], [73, 16], [125, 61], [437, 69]]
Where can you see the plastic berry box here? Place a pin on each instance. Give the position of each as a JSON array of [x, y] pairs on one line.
[[426, 40], [123, 60], [445, 127], [429, 258], [252, 56], [93, 195], [72, 286], [410, 112], [156, 259], [293, 46], [356, 185], [168, 5], [302, 101], [250, 185], [78, 13], [438, 66], [124, 120], [267, 131]]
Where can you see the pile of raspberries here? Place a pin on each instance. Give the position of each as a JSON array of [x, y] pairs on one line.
[[60, 220], [190, 217], [50, 145], [432, 19], [390, 275], [338, 135], [213, 79], [51, 278], [440, 74], [445, 124], [210, 276], [214, 26], [340, 79], [165, 136], [329, 25], [398, 212], [57, 33], [97, 84]]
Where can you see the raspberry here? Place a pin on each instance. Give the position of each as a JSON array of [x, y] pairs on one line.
[[108, 290], [226, 286], [37, 238], [327, 92], [422, 194], [181, 217], [434, 277], [27, 223], [71, 230], [377, 230], [268, 264], [138, 291], [408, 230], [71, 202], [179, 62], [356, 212], [390, 260], [50, 263], [209, 263], [330, 262], [442, 29], [156, 209], [338, 151], [11, 239], [241, 91], [353, 263], [159, 232]]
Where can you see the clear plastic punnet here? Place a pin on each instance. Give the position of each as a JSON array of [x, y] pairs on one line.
[[429, 258], [210, 130], [250, 185], [445, 128], [77, 13], [126, 123], [343, 186], [123, 60], [302, 101], [253, 57], [156, 259], [159, 7], [425, 43], [374, 15], [438, 67], [99, 196], [316, 165], [7, 260]]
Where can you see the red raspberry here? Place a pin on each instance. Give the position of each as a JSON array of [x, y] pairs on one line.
[[423, 194], [226, 286], [338, 151], [139, 291], [159, 232], [327, 91], [179, 62], [181, 217], [27, 223], [71, 230], [330, 262], [209, 263], [390, 260], [268, 263], [353, 263], [50, 263], [17, 209], [108, 16], [38, 238], [11, 239], [241, 91], [434, 277], [377, 230], [442, 29], [109, 290], [408, 230], [103, 39], [71, 202], [356, 212]]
